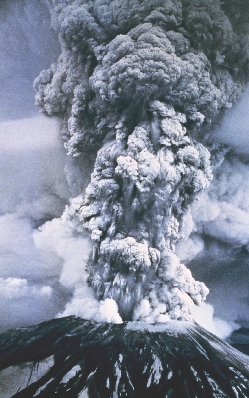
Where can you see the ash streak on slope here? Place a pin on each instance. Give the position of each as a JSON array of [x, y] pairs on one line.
[[139, 82]]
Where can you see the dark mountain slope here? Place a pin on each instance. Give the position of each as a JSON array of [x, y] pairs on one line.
[[72, 357]]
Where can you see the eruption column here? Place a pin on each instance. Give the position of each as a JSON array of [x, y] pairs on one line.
[[133, 84], [141, 186]]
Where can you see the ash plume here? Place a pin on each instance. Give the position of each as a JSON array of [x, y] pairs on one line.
[[138, 84]]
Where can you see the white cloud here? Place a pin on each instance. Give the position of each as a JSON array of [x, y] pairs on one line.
[[234, 129], [204, 316]]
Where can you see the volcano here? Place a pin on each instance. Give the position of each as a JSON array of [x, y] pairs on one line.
[[138, 90], [72, 357]]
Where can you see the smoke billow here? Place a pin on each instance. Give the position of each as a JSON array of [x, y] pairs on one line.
[[138, 83], [33, 190], [135, 90], [133, 207]]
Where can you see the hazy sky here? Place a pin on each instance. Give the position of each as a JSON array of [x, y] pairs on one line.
[[32, 184]]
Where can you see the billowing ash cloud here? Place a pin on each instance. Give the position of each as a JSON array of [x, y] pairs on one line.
[[139, 83], [133, 207]]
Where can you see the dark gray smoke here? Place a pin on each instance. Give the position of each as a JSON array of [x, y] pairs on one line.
[[140, 83]]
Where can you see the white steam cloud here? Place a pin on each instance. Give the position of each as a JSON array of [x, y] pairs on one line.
[[33, 189], [136, 97]]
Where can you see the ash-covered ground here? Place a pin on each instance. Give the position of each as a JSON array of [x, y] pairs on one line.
[[71, 357]]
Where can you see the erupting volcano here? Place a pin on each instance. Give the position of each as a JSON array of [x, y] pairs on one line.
[[137, 89]]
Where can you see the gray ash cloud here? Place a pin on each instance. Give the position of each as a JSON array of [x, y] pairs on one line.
[[138, 83]]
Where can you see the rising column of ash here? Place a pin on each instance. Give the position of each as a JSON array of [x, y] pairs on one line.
[[137, 81], [133, 208]]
